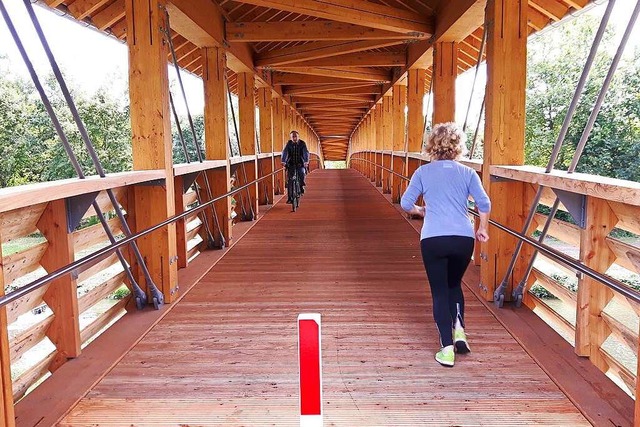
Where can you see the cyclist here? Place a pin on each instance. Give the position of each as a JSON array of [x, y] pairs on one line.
[[295, 156]]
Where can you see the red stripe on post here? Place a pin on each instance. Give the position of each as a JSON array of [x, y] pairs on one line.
[[309, 353]]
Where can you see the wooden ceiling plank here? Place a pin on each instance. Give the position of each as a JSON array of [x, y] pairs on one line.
[[109, 15], [355, 12], [310, 30], [345, 88], [549, 8], [317, 50], [303, 79], [80, 9]]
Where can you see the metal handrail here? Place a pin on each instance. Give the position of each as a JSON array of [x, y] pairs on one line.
[[398, 174], [556, 255], [99, 254]]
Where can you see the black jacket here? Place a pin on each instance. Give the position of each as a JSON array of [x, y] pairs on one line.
[[295, 154]]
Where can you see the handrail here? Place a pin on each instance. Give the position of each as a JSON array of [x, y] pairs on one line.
[[384, 167], [556, 255], [99, 254]]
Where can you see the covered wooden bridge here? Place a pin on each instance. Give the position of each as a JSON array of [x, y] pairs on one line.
[[351, 76]]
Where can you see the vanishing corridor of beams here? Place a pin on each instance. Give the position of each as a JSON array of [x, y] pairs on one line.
[[331, 60]]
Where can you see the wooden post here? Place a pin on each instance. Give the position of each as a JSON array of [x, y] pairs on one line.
[[399, 136], [278, 141], [415, 99], [504, 135], [151, 140], [379, 141], [216, 132], [7, 416], [247, 112], [61, 295], [445, 64], [266, 143], [387, 100], [181, 224], [593, 296]]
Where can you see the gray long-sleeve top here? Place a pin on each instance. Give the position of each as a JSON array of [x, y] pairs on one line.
[[445, 186]]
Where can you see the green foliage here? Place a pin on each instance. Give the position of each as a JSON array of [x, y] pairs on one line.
[[613, 148], [30, 150], [121, 293]]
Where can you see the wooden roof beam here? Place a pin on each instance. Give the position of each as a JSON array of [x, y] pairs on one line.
[[302, 79], [549, 8], [316, 50], [363, 13], [311, 31], [202, 23], [109, 15], [81, 9], [347, 88], [365, 74], [360, 59]]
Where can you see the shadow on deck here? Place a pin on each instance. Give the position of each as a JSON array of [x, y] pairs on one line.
[[226, 353]]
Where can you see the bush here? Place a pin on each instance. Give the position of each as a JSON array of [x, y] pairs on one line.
[[120, 293]]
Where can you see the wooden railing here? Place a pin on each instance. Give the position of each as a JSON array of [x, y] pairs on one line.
[[39, 234], [601, 324]]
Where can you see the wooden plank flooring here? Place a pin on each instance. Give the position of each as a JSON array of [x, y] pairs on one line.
[[226, 354]]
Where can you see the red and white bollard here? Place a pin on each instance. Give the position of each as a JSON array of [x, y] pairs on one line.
[[310, 362]]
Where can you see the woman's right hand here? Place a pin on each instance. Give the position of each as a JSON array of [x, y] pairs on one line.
[[482, 234]]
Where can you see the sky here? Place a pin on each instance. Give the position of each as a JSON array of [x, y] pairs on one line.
[[90, 60]]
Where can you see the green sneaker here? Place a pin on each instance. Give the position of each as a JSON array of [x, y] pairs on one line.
[[446, 356], [460, 341]]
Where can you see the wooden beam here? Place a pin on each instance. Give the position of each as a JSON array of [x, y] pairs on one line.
[[282, 31], [360, 59], [109, 16], [367, 14], [361, 74], [332, 96], [415, 94], [81, 9], [61, 295], [151, 141], [456, 19], [504, 132], [315, 50], [301, 79], [7, 415], [344, 88], [247, 129], [216, 132], [444, 82]]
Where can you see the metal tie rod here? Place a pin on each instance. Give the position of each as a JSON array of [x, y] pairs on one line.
[[158, 298], [167, 33], [102, 252], [519, 290], [183, 143], [498, 295], [140, 295]]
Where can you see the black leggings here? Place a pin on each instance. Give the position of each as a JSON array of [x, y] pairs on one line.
[[446, 259]]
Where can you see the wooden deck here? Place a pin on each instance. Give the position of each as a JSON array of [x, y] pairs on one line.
[[226, 353]]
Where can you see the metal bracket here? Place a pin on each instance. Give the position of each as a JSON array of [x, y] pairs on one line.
[[495, 178], [77, 206], [188, 179], [576, 204], [160, 182]]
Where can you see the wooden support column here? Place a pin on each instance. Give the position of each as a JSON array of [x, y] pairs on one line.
[[265, 193], [372, 143], [379, 141], [591, 329], [151, 141], [504, 136], [247, 112], [61, 295], [399, 138], [216, 132], [445, 64], [388, 140], [7, 415], [278, 141], [415, 127]]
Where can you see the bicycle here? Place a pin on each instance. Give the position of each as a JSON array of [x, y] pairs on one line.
[[293, 188]]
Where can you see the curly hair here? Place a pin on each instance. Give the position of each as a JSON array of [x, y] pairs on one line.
[[446, 142]]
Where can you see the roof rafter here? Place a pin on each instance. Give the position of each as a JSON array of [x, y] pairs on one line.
[[355, 12]]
